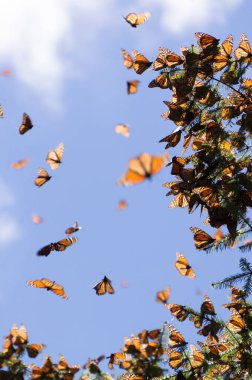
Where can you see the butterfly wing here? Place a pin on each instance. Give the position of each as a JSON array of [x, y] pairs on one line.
[[127, 59], [141, 63], [122, 129], [61, 245], [183, 266], [132, 86], [135, 19], [42, 177], [59, 291], [34, 349], [109, 287], [163, 295], [104, 286], [26, 124], [46, 250], [19, 164], [201, 238], [36, 283], [54, 157]]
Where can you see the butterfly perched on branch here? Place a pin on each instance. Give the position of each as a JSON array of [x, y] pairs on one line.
[[60, 245]]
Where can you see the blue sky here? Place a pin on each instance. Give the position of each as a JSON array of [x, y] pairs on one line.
[[68, 76]]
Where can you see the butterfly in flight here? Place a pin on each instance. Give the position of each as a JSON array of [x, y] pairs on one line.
[[37, 219], [141, 63], [26, 124], [122, 129], [20, 164], [135, 19], [44, 283], [163, 295], [60, 245], [73, 229], [127, 59], [34, 349], [132, 86], [122, 205], [142, 167], [183, 266], [54, 157], [104, 286], [42, 177]]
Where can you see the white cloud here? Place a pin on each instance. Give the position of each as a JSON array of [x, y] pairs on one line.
[[38, 38], [45, 42], [178, 15], [6, 196], [9, 229]]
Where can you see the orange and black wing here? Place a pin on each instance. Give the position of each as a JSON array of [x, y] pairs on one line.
[[74, 228], [42, 177], [54, 157], [61, 245], [127, 59], [34, 349], [163, 295], [104, 286], [132, 86], [59, 291], [46, 250], [20, 164], [183, 266], [201, 238], [26, 124], [141, 63]]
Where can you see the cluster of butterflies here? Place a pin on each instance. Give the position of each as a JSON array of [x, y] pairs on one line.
[[17, 343]]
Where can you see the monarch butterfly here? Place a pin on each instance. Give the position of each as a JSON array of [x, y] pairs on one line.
[[103, 287], [60, 245], [20, 164], [163, 295], [166, 58], [177, 164], [201, 238], [34, 349], [222, 59], [18, 336], [132, 86], [236, 323], [243, 52], [175, 337], [63, 366], [131, 376], [54, 157], [198, 357], [179, 311], [206, 194], [162, 81], [36, 219], [141, 63], [42, 177], [26, 124], [127, 59], [236, 293], [142, 167], [206, 41], [92, 365], [181, 200], [135, 19], [183, 266], [117, 357], [172, 140], [122, 205], [175, 358], [122, 129], [74, 228], [207, 306], [48, 285], [46, 369]]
